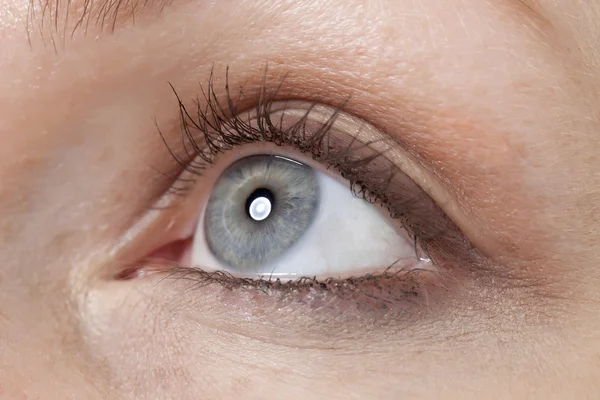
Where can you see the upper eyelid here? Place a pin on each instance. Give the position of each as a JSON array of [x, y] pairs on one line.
[[215, 114]]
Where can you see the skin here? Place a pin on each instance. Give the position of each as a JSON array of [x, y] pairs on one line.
[[494, 103]]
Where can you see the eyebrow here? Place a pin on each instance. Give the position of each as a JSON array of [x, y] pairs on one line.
[[61, 20]]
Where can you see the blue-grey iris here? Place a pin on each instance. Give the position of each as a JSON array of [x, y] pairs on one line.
[[258, 209]]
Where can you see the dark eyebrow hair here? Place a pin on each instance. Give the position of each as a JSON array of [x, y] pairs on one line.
[[59, 20]]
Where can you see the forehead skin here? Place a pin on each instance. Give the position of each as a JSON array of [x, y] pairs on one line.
[[497, 100]]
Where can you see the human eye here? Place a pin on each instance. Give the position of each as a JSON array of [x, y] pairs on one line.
[[295, 193]]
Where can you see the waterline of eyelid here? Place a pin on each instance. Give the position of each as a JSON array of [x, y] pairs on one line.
[[423, 264]]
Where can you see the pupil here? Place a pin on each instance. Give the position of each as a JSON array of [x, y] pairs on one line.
[[259, 204]]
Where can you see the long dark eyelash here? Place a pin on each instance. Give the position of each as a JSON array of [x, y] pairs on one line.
[[222, 128], [215, 129]]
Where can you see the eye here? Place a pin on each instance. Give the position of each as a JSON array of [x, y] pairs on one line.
[[269, 215], [294, 190]]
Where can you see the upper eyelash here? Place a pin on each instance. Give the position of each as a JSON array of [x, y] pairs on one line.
[[221, 129], [215, 128]]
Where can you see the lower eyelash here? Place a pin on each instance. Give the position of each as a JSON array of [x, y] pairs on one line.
[[386, 291]]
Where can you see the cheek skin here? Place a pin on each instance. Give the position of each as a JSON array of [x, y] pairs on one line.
[[186, 323]]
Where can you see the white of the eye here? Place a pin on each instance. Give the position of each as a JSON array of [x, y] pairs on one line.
[[349, 236], [260, 208]]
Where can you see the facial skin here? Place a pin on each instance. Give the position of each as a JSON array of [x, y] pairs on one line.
[[494, 102]]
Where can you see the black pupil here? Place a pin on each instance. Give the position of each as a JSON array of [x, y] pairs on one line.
[[260, 192]]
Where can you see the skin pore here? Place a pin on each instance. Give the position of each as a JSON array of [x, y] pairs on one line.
[[493, 110]]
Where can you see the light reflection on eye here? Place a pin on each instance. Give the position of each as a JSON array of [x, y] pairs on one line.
[[273, 216]]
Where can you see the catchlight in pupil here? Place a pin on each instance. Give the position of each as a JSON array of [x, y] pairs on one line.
[[259, 204], [259, 208]]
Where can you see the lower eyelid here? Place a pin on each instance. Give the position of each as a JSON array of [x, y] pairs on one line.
[[399, 296]]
